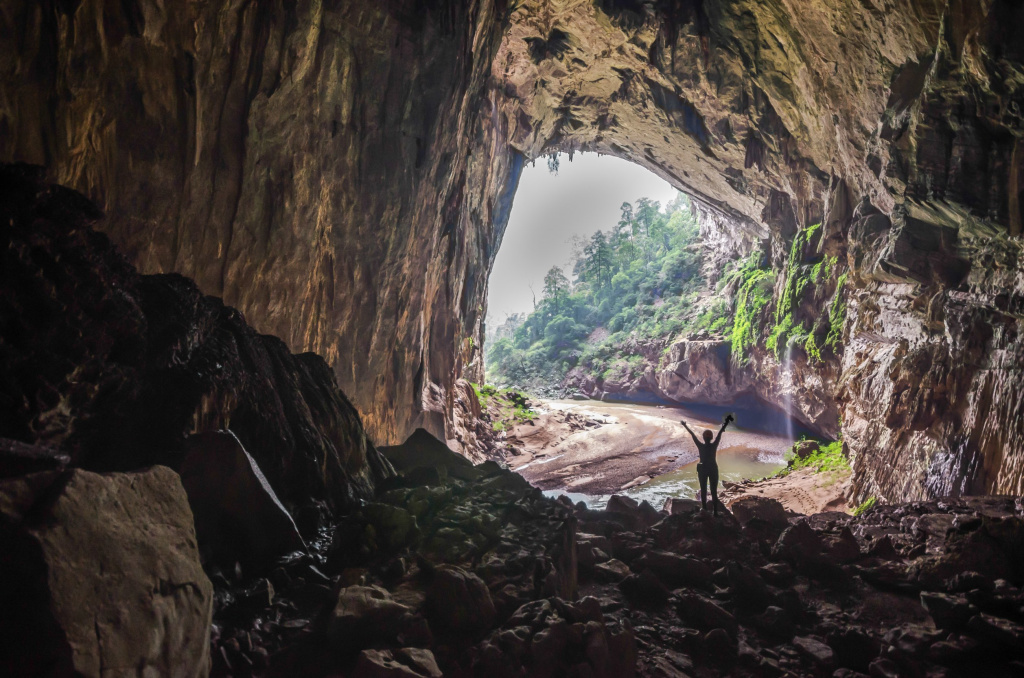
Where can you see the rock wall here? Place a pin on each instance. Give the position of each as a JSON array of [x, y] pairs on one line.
[[342, 173], [116, 368], [326, 168]]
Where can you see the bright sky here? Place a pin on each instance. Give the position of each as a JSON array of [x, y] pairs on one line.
[[549, 210]]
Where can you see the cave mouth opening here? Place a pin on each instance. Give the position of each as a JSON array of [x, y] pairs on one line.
[[602, 271]]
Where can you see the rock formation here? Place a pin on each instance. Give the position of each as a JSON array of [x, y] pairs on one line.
[[100, 576], [342, 174], [115, 369]]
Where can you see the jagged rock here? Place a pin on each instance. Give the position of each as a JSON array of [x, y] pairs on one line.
[[679, 506], [363, 615], [676, 570], [422, 451], [407, 662], [116, 369], [820, 653], [18, 459], [948, 611], [705, 614], [238, 516], [101, 573]]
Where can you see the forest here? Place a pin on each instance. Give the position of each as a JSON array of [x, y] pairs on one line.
[[637, 283]]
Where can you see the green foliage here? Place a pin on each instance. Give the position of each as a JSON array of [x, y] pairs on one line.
[[509, 405], [752, 301], [828, 459], [868, 504], [639, 281], [837, 315]]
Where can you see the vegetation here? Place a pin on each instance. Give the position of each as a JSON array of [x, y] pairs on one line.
[[868, 504], [507, 406], [828, 459], [638, 282], [631, 290]]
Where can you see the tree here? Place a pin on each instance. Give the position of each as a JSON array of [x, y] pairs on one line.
[[556, 287]]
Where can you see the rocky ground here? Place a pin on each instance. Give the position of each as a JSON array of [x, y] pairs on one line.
[[463, 570]]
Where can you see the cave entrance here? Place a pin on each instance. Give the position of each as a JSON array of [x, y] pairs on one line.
[[600, 272]]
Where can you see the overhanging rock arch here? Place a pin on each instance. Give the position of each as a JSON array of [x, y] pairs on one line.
[[342, 172]]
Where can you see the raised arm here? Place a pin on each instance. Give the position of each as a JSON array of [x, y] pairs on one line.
[[728, 419], [692, 435]]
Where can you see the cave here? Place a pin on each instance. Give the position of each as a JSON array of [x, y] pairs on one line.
[[246, 248]]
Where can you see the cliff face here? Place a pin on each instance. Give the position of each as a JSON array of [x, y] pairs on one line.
[[342, 173], [326, 168]]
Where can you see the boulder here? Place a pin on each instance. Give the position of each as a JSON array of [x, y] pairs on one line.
[[750, 507], [100, 576], [407, 662], [238, 516], [676, 570], [460, 600], [705, 614], [363, 615], [679, 506], [422, 453], [17, 458]]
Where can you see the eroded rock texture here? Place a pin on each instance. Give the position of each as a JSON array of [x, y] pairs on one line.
[[116, 368], [101, 576], [342, 173], [326, 168]]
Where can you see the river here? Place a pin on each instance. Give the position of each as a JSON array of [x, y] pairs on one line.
[[643, 452]]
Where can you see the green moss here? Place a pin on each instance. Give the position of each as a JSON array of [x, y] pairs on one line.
[[828, 459], [868, 504], [837, 315], [752, 300]]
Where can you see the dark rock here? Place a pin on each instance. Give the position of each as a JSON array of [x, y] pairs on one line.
[[18, 459], [460, 600], [365, 615], [407, 662], [751, 507], [115, 369], [948, 611], [704, 614], [816, 650], [676, 570], [238, 516], [644, 589], [774, 622], [998, 631]]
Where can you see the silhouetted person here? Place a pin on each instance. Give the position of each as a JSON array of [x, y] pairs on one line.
[[707, 467]]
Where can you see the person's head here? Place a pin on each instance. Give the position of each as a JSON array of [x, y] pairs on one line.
[[707, 436]]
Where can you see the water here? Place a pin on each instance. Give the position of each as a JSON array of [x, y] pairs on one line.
[[733, 466], [753, 448]]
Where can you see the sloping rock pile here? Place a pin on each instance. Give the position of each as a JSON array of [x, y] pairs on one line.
[[468, 571]]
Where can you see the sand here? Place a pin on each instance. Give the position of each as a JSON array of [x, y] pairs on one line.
[[642, 451]]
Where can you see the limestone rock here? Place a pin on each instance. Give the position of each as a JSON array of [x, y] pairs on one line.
[[752, 507], [101, 575], [115, 369], [238, 516]]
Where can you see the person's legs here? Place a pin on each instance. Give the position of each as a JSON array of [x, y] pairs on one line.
[[712, 474], [703, 478]]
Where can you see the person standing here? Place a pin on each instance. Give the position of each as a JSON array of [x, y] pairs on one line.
[[707, 467]]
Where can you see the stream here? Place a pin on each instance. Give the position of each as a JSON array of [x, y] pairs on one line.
[[643, 451]]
